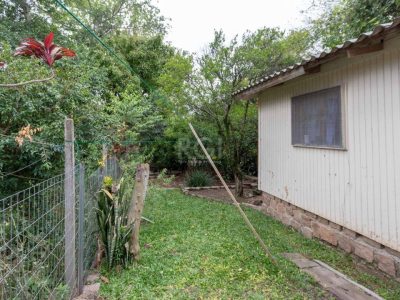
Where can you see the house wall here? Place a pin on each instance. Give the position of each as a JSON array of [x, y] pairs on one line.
[[358, 188]]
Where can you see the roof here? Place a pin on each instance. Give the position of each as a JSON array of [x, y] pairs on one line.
[[310, 65]]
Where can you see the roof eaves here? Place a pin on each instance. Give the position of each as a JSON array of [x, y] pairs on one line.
[[316, 58]]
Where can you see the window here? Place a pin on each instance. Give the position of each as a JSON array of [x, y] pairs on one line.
[[317, 119]]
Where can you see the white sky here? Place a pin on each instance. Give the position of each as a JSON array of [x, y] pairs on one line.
[[193, 21]]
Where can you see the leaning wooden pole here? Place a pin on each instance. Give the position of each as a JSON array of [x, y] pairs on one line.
[[236, 203]]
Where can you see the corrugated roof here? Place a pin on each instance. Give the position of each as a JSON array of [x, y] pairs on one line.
[[379, 30]]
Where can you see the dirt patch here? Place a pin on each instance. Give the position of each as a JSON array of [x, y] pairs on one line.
[[222, 195], [178, 180]]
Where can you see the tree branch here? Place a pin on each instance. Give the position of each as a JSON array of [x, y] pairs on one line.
[[16, 85]]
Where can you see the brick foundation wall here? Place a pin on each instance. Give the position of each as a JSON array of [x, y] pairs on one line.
[[313, 226]]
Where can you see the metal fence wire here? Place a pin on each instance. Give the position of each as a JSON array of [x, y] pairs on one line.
[[32, 235]]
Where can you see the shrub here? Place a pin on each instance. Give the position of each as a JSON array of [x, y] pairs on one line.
[[112, 212], [163, 178], [198, 178]]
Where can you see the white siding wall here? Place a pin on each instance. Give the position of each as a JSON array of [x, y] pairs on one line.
[[358, 188]]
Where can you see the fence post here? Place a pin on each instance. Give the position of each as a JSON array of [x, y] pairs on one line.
[[69, 193], [104, 154], [81, 230], [135, 212]]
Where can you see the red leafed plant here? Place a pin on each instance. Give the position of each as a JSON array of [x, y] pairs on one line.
[[3, 65], [47, 51]]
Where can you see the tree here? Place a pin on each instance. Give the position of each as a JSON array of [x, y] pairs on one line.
[[146, 55], [224, 68], [173, 96], [133, 118], [105, 17], [132, 17], [347, 19], [78, 92]]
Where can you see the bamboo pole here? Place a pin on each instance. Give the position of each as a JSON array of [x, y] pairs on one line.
[[235, 202]]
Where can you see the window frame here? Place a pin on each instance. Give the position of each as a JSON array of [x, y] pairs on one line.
[[343, 111]]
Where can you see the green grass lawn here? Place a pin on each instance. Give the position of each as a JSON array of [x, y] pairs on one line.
[[199, 249]]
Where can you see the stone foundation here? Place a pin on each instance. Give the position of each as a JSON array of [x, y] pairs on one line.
[[313, 226]]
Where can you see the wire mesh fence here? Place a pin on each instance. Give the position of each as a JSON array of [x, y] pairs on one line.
[[93, 184], [32, 235]]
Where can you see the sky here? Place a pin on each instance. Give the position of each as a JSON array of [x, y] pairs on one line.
[[193, 21]]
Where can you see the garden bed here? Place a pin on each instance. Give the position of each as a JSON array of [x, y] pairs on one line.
[[200, 249], [220, 194]]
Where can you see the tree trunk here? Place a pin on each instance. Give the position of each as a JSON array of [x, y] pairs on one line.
[[26, 11], [238, 183]]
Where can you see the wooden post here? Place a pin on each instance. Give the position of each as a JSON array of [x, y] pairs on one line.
[[104, 154], [136, 209], [69, 193], [81, 229]]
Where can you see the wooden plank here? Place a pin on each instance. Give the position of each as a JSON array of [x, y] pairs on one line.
[[270, 83], [69, 204], [356, 51], [313, 70]]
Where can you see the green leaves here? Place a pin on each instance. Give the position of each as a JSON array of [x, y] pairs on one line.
[[79, 91], [19, 69], [146, 55], [347, 19], [114, 232], [223, 68], [198, 178]]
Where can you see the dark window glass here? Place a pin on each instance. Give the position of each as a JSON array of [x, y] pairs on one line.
[[317, 119]]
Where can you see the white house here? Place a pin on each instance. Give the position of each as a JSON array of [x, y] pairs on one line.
[[329, 145]]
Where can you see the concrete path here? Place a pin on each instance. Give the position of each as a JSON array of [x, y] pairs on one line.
[[331, 280]]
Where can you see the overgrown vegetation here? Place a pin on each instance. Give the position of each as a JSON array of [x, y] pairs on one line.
[[143, 116], [199, 249], [112, 219], [198, 178], [163, 178], [147, 111], [109, 105], [346, 19]]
